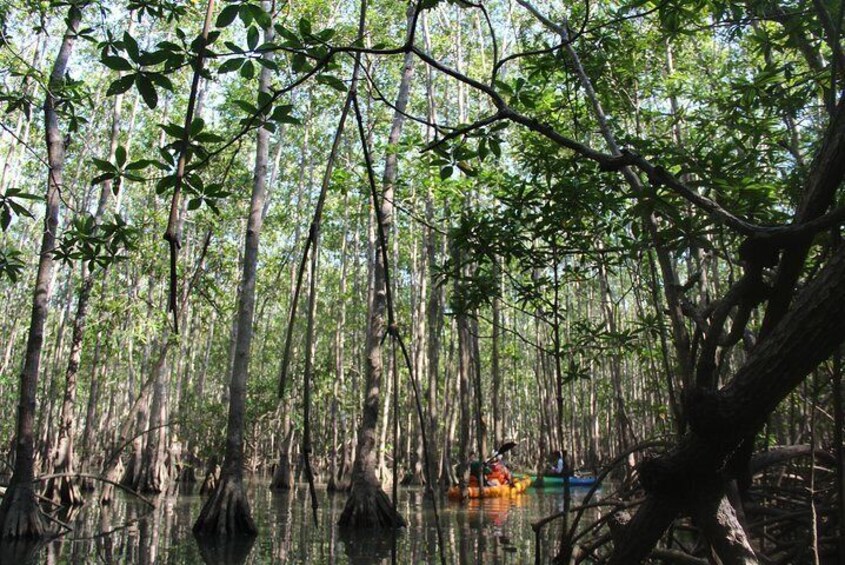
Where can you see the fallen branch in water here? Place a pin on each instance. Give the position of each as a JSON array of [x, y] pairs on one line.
[[96, 478], [113, 530]]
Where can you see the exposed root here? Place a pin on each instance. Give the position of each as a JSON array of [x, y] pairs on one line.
[[21, 550], [369, 507], [282, 476], [63, 491], [114, 470], [212, 477], [153, 477], [20, 516], [226, 513]]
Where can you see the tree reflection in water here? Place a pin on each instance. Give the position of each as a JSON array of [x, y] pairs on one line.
[[490, 531]]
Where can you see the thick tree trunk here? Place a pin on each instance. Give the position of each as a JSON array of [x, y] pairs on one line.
[[19, 513], [227, 512], [152, 475], [807, 335]]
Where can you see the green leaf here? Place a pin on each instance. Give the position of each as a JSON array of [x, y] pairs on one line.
[[197, 126], [333, 82], [288, 119], [154, 58], [304, 27], [495, 148], [131, 46], [103, 165], [231, 65], [208, 137], [248, 70], [173, 130], [227, 15], [245, 14], [326, 34], [299, 63], [267, 63], [280, 111], [139, 164], [234, 48], [161, 81], [18, 193], [446, 172], [259, 15], [252, 38], [120, 156], [103, 177], [147, 90], [121, 85], [246, 106], [264, 101], [117, 63]]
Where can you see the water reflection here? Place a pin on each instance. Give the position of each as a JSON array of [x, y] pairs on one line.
[[216, 551], [495, 530]]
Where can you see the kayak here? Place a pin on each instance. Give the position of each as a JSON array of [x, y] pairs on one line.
[[518, 487], [553, 481]]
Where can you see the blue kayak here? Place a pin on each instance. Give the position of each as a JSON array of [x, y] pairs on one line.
[[556, 481]]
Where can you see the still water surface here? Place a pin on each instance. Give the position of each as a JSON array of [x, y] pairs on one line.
[[493, 531]]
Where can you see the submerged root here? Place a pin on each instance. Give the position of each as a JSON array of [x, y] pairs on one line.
[[226, 513], [20, 516], [216, 551], [369, 507], [282, 477]]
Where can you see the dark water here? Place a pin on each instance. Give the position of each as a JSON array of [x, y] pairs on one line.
[[492, 531]]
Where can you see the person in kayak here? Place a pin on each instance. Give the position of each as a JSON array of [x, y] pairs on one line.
[[559, 467], [499, 473]]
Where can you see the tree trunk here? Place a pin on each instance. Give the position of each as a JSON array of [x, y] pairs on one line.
[[368, 505], [19, 513], [227, 512], [62, 489], [807, 335]]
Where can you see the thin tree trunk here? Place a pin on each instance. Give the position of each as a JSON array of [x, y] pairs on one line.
[[368, 505], [62, 489], [227, 511]]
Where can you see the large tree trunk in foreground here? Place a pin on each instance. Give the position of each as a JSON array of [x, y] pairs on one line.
[[805, 337], [808, 334], [226, 512], [19, 513], [368, 505]]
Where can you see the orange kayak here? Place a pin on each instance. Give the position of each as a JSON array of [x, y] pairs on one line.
[[518, 487]]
